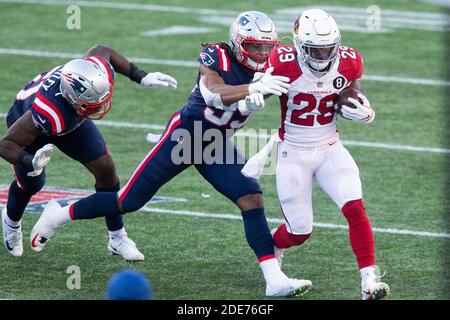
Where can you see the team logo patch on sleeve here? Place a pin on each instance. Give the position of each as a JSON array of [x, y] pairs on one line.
[[207, 60], [339, 82]]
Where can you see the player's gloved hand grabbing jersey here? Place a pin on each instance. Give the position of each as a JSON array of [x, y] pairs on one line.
[[158, 79], [40, 160], [361, 112], [269, 84], [251, 103]]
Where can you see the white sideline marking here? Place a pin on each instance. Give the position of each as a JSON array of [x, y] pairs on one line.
[[278, 221], [193, 64], [355, 17], [400, 147], [177, 30]]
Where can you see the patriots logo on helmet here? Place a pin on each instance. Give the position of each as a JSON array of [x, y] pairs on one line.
[[207, 60], [77, 86], [243, 21]]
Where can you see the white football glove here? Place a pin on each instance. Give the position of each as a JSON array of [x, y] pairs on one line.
[[251, 103], [269, 84], [41, 159], [158, 79], [363, 112]]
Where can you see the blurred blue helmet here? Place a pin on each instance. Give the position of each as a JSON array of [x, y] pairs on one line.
[[129, 285]]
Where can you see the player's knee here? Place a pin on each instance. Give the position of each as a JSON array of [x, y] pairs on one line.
[[349, 188], [250, 201], [104, 171], [299, 218], [130, 205], [32, 187], [303, 229]]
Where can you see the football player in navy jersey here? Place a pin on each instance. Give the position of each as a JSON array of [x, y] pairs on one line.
[[225, 94], [55, 109]]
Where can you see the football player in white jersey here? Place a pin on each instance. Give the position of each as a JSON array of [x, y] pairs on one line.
[[319, 69]]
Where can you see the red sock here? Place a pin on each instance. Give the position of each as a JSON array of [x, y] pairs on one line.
[[361, 236], [283, 239]]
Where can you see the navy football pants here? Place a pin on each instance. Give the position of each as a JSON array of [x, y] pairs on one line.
[[157, 168]]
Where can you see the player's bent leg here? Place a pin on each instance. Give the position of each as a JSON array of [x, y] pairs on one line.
[[338, 176], [151, 174], [106, 180], [54, 216], [294, 188], [246, 193]]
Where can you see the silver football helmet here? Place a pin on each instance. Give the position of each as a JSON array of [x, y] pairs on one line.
[[316, 39], [252, 38], [88, 86]]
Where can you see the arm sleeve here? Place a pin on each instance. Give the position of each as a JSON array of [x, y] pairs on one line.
[[358, 66]]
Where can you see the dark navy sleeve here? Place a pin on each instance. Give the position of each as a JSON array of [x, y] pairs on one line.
[[46, 114]]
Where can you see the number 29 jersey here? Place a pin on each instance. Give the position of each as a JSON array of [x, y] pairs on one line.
[[308, 117]]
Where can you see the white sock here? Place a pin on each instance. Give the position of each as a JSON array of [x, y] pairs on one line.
[[271, 270], [367, 273], [113, 234], [11, 223], [62, 216]]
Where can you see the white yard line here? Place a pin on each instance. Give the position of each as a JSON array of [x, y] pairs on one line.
[[193, 64], [253, 134], [349, 18], [125, 6], [278, 221]]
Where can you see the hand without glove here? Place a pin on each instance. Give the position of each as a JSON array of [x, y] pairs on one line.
[[363, 113], [269, 84], [251, 103], [40, 160], [158, 79]]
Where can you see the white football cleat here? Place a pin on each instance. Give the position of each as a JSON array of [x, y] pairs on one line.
[[279, 252], [123, 246], [46, 226], [12, 237], [371, 288], [375, 291], [287, 287]]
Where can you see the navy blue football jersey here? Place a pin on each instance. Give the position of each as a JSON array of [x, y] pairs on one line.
[[233, 73], [51, 112]]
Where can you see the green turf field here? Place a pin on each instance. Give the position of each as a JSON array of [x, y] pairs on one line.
[[191, 257]]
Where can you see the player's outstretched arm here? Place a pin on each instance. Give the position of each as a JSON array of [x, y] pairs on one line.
[[121, 64], [22, 133], [216, 93]]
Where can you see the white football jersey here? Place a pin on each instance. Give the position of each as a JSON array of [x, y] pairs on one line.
[[308, 117]]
